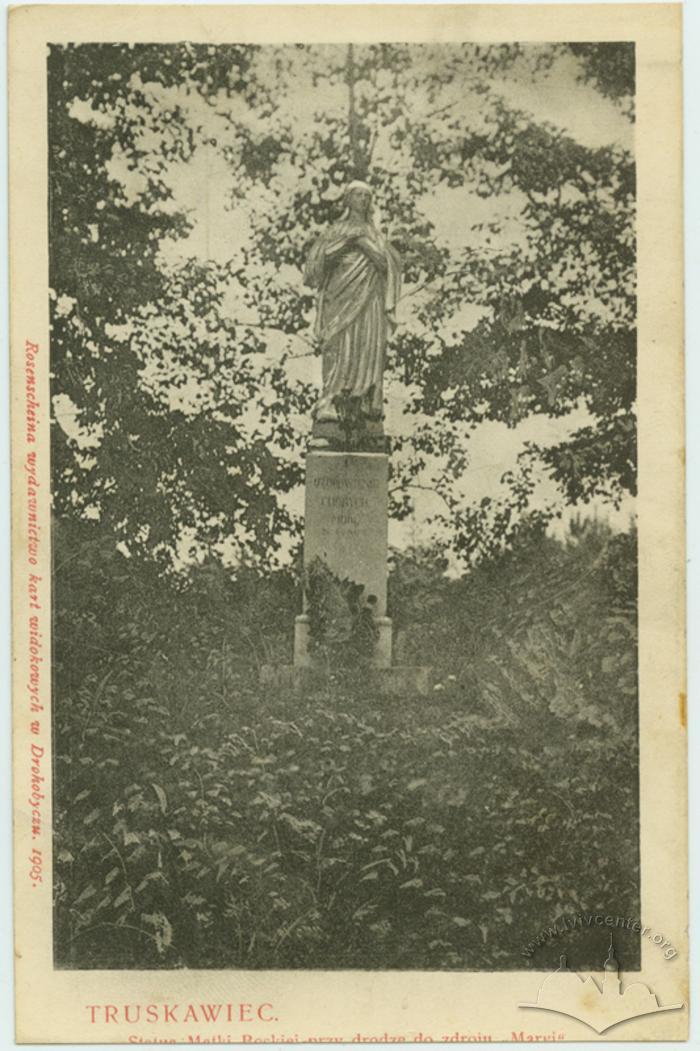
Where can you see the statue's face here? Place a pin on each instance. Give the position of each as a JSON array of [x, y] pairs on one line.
[[359, 203]]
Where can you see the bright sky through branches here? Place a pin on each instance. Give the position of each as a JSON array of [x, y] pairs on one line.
[[205, 187]]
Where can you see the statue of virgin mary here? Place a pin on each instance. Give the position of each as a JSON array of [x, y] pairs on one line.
[[357, 275]]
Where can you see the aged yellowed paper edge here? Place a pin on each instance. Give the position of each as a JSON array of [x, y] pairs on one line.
[[52, 1006]]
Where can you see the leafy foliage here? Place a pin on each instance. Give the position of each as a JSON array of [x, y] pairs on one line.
[[159, 371], [202, 822], [544, 629]]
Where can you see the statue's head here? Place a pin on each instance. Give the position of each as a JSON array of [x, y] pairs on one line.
[[358, 200]]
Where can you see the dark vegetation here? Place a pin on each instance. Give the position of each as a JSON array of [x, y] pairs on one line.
[[203, 822]]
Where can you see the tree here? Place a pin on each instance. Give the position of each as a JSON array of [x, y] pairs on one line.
[[162, 371], [127, 334]]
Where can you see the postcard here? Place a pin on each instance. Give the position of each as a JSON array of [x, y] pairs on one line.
[[348, 545]]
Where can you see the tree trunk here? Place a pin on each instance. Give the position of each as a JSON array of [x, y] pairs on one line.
[[358, 160]]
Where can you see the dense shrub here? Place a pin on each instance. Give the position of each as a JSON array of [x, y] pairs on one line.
[[548, 628]]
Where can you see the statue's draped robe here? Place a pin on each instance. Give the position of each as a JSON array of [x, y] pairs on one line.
[[356, 308]]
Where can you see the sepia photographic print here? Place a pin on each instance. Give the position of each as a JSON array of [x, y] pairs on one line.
[[347, 409]]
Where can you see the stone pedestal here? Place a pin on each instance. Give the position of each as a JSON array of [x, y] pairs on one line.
[[345, 526], [303, 659]]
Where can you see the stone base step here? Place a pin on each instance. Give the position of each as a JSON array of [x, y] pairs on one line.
[[400, 680]]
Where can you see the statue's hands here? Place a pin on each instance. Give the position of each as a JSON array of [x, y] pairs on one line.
[[337, 247], [373, 251]]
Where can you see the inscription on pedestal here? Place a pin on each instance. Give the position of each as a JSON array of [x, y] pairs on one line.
[[346, 518]]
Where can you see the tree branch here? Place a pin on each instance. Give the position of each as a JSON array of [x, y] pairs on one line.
[[358, 161], [425, 488], [274, 328], [295, 357]]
